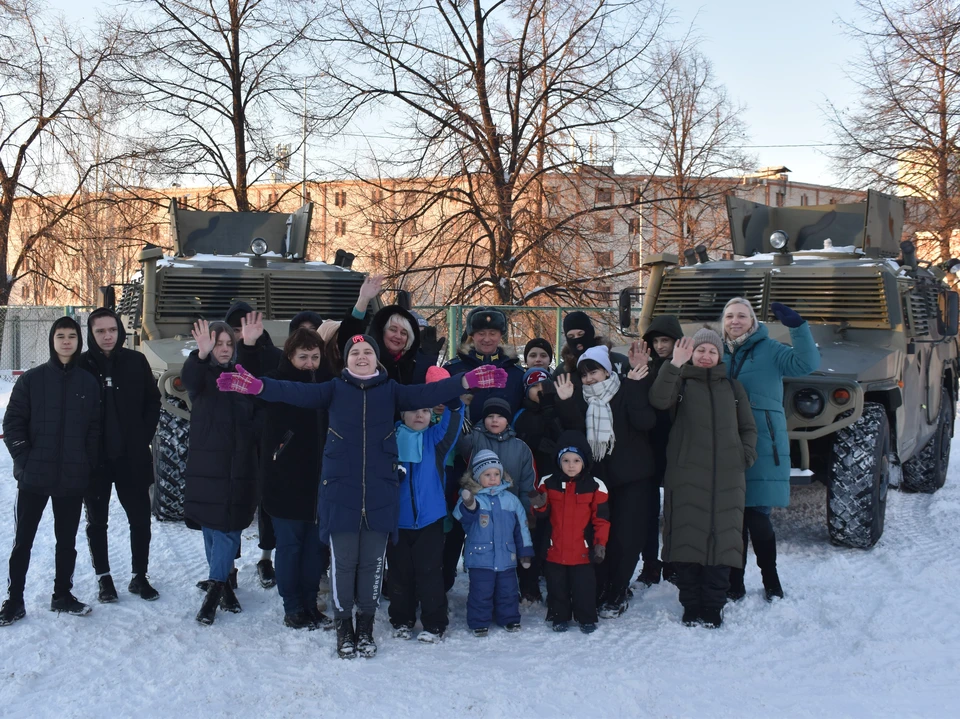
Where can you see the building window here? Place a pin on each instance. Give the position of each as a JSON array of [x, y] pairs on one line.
[[377, 195], [340, 198], [603, 259], [408, 257], [154, 233], [832, 201], [604, 289], [340, 228], [309, 196], [633, 225], [634, 257], [604, 196], [781, 198], [376, 229], [603, 225], [804, 201], [636, 195], [75, 263], [26, 294], [272, 198], [377, 259]]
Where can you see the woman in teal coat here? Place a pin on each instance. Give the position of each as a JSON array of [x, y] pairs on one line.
[[760, 363]]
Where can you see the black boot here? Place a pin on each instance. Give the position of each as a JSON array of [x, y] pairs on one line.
[[711, 618], [650, 574], [142, 588], [12, 611], [229, 601], [669, 573], [208, 610], [365, 643], [766, 550], [266, 573], [108, 592], [737, 589], [346, 638], [691, 615], [299, 620]]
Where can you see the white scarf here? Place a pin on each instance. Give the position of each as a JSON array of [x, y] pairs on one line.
[[600, 416]]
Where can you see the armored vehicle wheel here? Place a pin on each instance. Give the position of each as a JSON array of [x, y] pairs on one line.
[[170, 465], [927, 470], [859, 475]]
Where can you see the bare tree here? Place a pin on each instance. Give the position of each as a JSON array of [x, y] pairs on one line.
[[505, 112], [221, 86], [901, 133], [695, 134]]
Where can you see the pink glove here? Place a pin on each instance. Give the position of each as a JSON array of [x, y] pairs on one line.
[[486, 377], [240, 381]]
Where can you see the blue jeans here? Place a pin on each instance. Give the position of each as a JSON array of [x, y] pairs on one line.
[[300, 562], [221, 549], [493, 593]]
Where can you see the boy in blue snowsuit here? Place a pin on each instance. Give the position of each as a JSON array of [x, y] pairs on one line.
[[495, 524], [416, 559]]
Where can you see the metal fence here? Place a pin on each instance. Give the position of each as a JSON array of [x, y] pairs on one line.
[[25, 333]]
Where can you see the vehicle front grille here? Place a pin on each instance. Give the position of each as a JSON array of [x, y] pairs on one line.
[[296, 292], [701, 296], [208, 294], [831, 299]]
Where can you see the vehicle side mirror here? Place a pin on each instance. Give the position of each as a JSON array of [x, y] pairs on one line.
[[107, 297], [953, 315], [403, 300], [624, 307]]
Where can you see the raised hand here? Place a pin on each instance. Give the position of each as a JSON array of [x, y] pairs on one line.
[[240, 381], [787, 316], [251, 328], [682, 351], [485, 377], [638, 372], [564, 386], [639, 353], [204, 338], [368, 290], [467, 496]]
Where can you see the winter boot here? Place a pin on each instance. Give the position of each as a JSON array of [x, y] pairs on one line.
[[266, 573], [346, 638], [711, 618], [11, 611], [691, 616], [108, 592], [766, 550], [299, 620], [142, 588], [650, 574], [588, 627], [233, 578], [69, 604], [430, 636], [560, 626], [513, 627], [614, 608], [320, 620], [402, 632], [208, 610], [669, 573], [737, 590], [229, 601], [481, 632], [366, 645]]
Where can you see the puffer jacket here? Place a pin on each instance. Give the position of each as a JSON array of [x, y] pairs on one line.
[[712, 442], [422, 500], [52, 426], [359, 481], [760, 364], [221, 478], [469, 359], [659, 436], [496, 528], [577, 508], [514, 454]]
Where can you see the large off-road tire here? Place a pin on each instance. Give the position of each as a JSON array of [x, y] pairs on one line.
[[926, 471], [170, 465], [859, 476]]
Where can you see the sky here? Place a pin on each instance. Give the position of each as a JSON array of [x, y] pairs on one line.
[[783, 61]]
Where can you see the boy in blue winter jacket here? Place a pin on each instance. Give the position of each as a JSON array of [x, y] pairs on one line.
[[495, 524], [416, 559]]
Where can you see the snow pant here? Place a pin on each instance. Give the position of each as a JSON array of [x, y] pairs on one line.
[[629, 513], [265, 530], [493, 593], [651, 544], [220, 548], [27, 513], [300, 561], [416, 577], [702, 587], [134, 496], [571, 592], [357, 559]]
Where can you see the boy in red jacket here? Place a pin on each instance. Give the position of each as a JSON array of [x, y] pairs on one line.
[[576, 504]]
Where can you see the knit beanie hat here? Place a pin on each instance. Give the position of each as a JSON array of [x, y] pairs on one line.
[[435, 374], [497, 405], [357, 339], [328, 329], [599, 354], [483, 460], [305, 316], [706, 335], [540, 343], [535, 375]]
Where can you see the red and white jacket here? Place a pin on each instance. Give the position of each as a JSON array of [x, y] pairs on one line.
[[579, 517]]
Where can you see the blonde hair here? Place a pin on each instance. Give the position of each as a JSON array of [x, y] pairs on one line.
[[404, 324]]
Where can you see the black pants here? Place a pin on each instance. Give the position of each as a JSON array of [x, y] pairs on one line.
[[571, 592], [651, 544], [530, 578], [629, 517], [66, 521], [757, 527], [268, 537], [702, 587], [357, 560], [134, 497], [416, 577]]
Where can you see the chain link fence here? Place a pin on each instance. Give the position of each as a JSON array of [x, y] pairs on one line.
[[25, 333]]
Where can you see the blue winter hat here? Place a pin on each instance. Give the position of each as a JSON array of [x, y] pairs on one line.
[[483, 460]]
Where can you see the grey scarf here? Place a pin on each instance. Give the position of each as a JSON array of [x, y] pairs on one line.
[[600, 416]]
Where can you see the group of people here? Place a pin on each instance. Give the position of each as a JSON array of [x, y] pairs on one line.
[[361, 454]]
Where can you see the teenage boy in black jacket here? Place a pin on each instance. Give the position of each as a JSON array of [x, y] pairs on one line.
[[129, 413], [52, 431]]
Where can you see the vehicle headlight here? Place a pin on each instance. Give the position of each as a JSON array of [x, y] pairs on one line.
[[778, 240], [258, 246], [808, 403]]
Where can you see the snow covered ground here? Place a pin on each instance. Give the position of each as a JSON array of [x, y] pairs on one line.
[[860, 634]]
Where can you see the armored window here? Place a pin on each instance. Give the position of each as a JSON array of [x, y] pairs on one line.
[[603, 225], [604, 259], [604, 196]]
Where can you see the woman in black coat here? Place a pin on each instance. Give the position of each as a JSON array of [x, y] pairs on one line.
[[221, 477], [291, 453]]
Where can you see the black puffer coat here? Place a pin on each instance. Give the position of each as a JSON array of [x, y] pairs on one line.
[[538, 425], [52, 427], [669, 326], [127, 383], [221, 479], [412, 366], [291, 450]]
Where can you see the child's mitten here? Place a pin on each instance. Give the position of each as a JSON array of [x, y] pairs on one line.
[[468, 499]]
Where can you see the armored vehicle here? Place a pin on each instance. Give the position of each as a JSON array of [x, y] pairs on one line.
[[220, 258], [880, 408]]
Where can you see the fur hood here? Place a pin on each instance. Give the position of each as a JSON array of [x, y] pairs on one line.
[[468, 482], [569, 363]]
